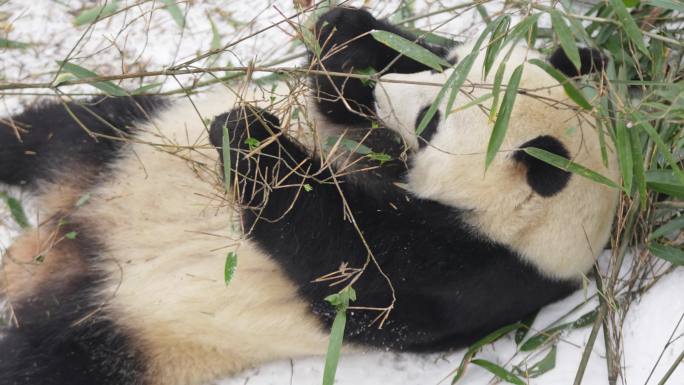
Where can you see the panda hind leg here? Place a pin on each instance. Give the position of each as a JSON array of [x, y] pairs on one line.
[[57, 331], [50, 140]]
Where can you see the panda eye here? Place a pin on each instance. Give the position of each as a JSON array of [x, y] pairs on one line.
[[431, 127]]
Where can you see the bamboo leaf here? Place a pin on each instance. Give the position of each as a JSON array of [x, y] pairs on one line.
[[629, 26], [566, 38], [496, 90], [675, 5], [666, 182], [349, 145], [544, 365], [671, 254], [12, 44], [568, 165], [16, 210], [638, 166], [540, 338], [525, 327], [496, 41], [498, 371], [454, 82], [474, 102], [175, 12], [670, 227], [99, 12], [568, 86], [229, 268], [341, 302], [106, 86], [504, 115], [660, 144], [144, 89], [410, 49], [475, 347], [624, 150], [523, 28]]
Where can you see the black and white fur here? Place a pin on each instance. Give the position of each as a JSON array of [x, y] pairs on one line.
[[138, 296]]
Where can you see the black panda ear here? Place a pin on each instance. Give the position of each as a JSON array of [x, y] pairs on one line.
[[545, 179], [592, 60]]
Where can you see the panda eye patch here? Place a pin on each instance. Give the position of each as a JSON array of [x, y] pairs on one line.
[[431, 127]]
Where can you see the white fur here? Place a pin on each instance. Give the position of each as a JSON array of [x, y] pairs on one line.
[[561, 235]]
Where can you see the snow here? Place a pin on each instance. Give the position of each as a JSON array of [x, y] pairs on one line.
[[145, 37]]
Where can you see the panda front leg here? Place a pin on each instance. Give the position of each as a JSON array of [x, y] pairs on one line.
[[346, 46], [312, 221]]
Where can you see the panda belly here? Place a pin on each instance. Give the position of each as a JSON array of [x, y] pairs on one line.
[[167, 231]]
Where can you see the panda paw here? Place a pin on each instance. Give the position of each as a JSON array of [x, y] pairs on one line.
[[246, 126], [340, 24]]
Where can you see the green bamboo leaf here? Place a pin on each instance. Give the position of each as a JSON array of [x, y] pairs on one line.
[[544, 365], [433, 38], [454, 82], [475, 347], [175, 12], [568, 86], [16, 210], [670, 227], [504, 115], [565, 37], [341, 302], [146, 88], [215, 35], [99, 12], [496, 90], [475, 102], [624, 149], [660, 144], [496, 41], [568, 165], [410, 49], [230, 266], [629, 26], [666, 182], [71, 235], [675, 5], [12, 44], [348, 144], [525, 327], [671, 254], [498, 371], [639, 175], [106, 86], [540, 338], [83, 199], [630, 3], [523, 28]]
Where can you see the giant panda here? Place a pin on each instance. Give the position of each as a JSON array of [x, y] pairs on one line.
[[122, 282]]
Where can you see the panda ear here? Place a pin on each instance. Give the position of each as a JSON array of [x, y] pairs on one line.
[[592, 60], [545, 179]]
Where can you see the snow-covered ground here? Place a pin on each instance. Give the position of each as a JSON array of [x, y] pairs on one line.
[[143, 36]]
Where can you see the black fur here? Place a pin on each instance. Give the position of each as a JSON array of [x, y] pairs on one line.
[[452, 285], [430, 129], [46, 137], [592, 60], [64, 337], [545, 179], [342, 50]]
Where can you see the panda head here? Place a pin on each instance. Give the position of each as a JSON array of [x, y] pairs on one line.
[[556, 220]]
